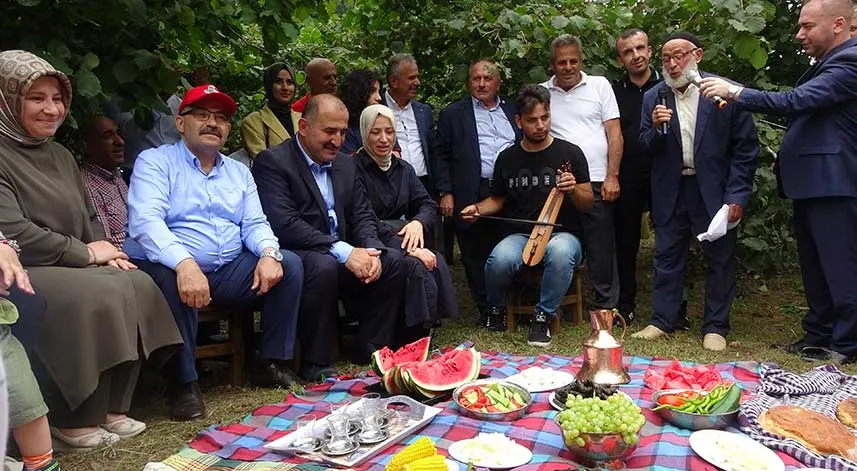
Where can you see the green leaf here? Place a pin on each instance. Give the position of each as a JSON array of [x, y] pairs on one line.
[[739, 26], [125, 71], [560, 22], [537, 75], [457, 24], [136, 10], [145, 60], [755, 244], [185, 15], [29, 3], [58, 49], [86, 84], [759, 58], [90, 61]]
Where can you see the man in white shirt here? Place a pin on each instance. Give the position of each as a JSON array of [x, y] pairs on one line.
[[584, 112], [414, 128]]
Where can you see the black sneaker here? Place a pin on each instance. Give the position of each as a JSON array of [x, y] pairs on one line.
[[628, 316], [683, 321], [496, 319], [540, 332]]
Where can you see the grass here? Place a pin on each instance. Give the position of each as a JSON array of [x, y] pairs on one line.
[[765, 311]]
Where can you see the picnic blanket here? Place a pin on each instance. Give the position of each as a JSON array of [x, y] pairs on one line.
[[662, 447], [820, 389]]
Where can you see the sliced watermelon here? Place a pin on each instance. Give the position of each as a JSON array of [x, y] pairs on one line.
[[384, 359], [446, 372]]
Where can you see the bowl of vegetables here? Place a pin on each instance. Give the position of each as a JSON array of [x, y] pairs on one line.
[[492, 399], [698, 410], [601, 433]]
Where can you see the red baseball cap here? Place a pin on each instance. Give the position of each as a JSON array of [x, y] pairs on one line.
[[209, 92]]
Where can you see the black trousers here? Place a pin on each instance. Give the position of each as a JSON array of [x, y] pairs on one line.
[[442, 236], [376, 306], [599, 241], [629, 208], [826, 230], [475, 242]]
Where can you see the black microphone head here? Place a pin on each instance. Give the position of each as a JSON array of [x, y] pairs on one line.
[[664, 93]]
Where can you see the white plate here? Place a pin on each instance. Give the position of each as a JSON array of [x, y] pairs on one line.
[[734, 452], [556, 380], [519, 455]]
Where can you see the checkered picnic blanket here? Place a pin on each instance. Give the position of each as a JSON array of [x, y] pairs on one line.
[[820, 390], [662, 446]]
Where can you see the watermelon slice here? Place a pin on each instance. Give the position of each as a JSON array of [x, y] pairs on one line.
[[384, 359], [446, 372]]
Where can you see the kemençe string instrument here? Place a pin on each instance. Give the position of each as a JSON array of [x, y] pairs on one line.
[[534, 251]]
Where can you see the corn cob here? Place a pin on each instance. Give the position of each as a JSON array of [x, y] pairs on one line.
[[430, 463], [421, 448]]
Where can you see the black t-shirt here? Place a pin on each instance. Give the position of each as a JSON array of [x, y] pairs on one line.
[[525, 180], [636, 162]]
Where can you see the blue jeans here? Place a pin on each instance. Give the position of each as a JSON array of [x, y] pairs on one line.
[[562, 255]]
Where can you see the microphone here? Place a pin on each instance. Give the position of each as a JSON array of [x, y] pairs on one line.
[[662, 100], [694, 78]]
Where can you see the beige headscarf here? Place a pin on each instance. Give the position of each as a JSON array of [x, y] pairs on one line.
[[18, 71], [367, 119]]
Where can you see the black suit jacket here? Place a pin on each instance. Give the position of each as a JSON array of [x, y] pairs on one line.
[[457, 156], [425, 125], [296, 210]]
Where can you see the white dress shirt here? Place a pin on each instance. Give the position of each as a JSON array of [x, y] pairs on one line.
[[687, 104], [408, 135]]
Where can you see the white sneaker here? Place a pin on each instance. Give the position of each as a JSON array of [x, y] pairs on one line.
[[649, 332]]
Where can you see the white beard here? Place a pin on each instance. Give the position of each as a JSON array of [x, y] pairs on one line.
[[682, 81]]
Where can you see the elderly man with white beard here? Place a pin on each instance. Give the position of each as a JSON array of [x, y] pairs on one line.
[[706, 159]]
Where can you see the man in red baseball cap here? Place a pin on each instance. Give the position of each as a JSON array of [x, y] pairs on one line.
[[196, 226]]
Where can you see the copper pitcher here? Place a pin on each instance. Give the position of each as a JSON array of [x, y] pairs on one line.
[[602, 352]]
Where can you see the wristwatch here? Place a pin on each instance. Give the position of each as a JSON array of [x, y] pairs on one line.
[[273, 253], [733, 91]]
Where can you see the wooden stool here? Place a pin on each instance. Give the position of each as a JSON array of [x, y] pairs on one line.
[[234, 346], [527, 282]]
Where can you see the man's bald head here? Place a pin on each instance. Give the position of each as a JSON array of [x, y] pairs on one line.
[[321, 76], [322, 127], [823, 25]]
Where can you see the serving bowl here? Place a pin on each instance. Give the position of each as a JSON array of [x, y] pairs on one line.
[[693, 421], [600, 450], [494, 416]]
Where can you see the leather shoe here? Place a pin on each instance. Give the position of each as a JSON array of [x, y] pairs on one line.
[[312, 373], [683, 322], [273, 375], [496, 319], [185, 402], [794, 347]]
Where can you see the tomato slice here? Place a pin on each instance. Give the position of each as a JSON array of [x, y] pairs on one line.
[[672, 400]]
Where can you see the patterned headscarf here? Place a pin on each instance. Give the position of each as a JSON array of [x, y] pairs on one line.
[[18, 71], [367, 120]]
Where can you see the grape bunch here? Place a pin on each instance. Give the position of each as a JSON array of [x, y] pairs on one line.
[[616, 414]]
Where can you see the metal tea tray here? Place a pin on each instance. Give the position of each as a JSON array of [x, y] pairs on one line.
[[414, 417]]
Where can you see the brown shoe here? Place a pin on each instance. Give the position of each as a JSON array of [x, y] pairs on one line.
[[185, 402]]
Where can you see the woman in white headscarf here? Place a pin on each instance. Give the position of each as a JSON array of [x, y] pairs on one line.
[[406, 212]]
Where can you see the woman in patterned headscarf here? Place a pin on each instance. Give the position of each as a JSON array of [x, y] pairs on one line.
[[103, 316], [275, 122]]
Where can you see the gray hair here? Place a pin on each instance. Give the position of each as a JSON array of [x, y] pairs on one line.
[[395, 63], [565, 40]]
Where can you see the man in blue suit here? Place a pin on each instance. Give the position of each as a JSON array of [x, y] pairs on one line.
[[414, 128], [818, 170], [705, 160], [471, 133]]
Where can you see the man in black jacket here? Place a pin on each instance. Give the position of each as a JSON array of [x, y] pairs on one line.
[[318, 208], [471, 133]]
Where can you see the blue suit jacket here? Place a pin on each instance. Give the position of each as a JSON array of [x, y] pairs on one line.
[[425, 124], [459, 162], [818, 157], [724, 154]]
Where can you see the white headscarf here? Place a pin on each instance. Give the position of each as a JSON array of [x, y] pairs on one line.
[[367, 120]]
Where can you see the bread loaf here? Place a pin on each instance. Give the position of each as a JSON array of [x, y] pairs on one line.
[[846, 412], [816, 431]]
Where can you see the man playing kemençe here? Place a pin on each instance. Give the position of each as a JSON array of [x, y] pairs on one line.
[[817, 166], [102, 177], [196, 226], [471, 133], [706, 160], [318, 208], [524, 175]]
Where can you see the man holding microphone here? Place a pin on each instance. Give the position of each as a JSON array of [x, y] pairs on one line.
[[817, 166]]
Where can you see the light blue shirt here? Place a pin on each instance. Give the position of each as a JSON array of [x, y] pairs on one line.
[[176, 211], [321, 174], [495, 134]]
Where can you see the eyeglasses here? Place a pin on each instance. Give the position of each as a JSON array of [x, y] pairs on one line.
[[204, 115], [678, 56]]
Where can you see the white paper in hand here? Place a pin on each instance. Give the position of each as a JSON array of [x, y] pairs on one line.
[[719, 225]]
